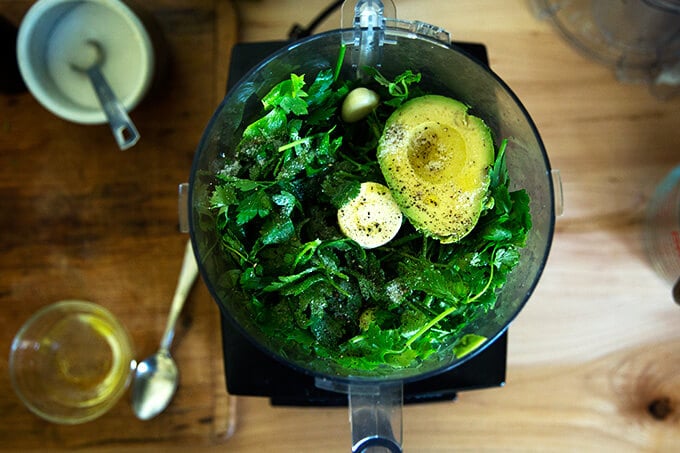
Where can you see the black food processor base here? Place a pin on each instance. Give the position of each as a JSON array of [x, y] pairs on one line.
[[251, 372]]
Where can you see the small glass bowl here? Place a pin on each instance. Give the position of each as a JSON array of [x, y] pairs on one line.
[[71, 362]]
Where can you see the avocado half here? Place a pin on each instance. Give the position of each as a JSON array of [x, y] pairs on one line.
[[435, 158]]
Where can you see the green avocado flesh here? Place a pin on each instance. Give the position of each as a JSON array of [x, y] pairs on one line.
[[435, 158]]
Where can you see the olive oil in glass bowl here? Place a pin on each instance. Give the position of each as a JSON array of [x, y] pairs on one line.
[[71, 362]]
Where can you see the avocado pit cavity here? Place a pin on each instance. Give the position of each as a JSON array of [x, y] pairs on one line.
[[430, 152]]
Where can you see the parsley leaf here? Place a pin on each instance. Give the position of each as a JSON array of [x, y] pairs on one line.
[[256, 204], [398, 89], [288, 95]]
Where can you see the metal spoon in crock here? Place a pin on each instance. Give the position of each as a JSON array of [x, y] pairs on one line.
[[155, 380], [124, 130]]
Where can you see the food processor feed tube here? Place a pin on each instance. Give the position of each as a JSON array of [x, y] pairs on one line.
[[375, 413], [375, 416], [368, 22]]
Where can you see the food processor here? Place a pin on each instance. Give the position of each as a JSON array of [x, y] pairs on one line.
[[374, 36]]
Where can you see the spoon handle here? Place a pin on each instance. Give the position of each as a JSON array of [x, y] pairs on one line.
[[124, 130], [186, 279]]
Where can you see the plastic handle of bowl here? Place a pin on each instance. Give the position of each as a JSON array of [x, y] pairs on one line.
[[556, 177], [375, 412], [183, 207]]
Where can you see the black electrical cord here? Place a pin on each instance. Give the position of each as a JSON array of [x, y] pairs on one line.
[[299, 32]]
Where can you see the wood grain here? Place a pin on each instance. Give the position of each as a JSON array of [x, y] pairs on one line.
[[83, 220], [594, 358], [624, 402]]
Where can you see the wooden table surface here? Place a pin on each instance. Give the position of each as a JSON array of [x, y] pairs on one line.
[[594, 358]]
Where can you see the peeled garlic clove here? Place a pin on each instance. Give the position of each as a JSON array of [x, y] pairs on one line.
[[358, 104]]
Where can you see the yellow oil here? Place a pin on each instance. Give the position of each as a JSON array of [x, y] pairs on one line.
[[87, 365]]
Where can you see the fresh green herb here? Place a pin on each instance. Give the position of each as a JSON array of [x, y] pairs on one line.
[[398, 89], [318, 295]]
